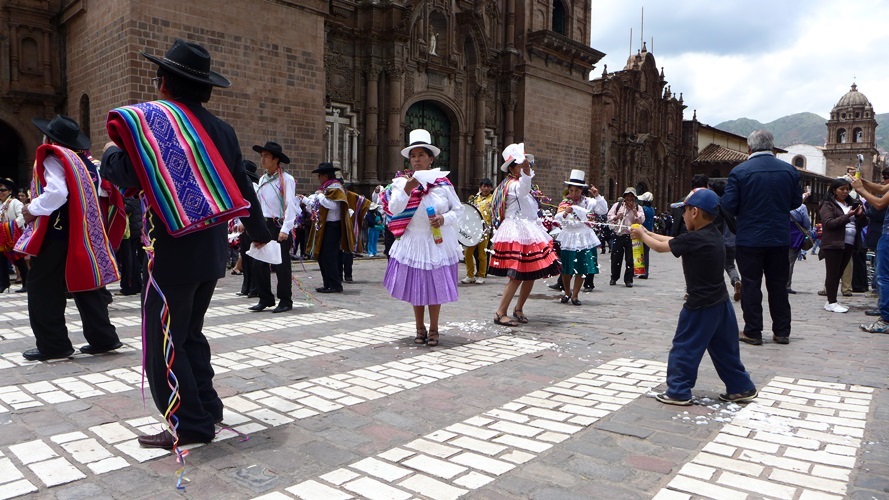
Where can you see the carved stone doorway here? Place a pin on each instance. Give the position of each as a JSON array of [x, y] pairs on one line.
[[430, 116], [15, 158]]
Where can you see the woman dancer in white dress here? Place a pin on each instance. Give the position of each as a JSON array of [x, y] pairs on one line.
[[420, 270], [577, 240], [523, 251]]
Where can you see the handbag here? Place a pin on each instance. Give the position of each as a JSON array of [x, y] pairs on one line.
[[808, 243]]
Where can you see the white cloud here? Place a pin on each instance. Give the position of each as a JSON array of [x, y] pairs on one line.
[[755, 59]]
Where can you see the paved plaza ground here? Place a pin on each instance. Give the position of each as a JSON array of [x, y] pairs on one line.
[[338, 402]]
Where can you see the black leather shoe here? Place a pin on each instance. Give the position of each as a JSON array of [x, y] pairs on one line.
[[36, 355], [260, 306], [88, 349], [872, 312], [629, 285], [22, 290], [780, 340], [612, 282], [240, 294], [791, 291], [282, 307], [347, 279], [320, 288], [252, 295], [330, 290], [164, 440], [555, 286]]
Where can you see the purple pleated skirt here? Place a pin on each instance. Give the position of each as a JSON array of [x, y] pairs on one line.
[[421, 287]]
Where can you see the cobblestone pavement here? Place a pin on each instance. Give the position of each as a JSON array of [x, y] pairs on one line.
[[338, 402]]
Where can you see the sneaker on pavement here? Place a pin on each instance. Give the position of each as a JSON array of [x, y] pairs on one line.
[[872, 312], [663, 398], [822, 293], [749, 340], [467, 280], [741, 397], [479, 281], [835, 307], [780, 340], [878, 326]]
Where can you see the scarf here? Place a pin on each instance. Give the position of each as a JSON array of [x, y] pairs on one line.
[[398, 223], [182, 174], [333, 191], [90, 261], [498, 210]]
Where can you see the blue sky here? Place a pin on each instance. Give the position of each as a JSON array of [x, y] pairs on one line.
[[755, 59]]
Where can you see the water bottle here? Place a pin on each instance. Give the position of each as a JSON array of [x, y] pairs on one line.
[[638, 255], [436, 231]]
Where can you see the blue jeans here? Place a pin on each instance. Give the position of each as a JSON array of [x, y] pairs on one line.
[[373, 237], [713, 329], [882, 279]]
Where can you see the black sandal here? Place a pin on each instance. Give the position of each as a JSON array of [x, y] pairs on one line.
[[498, 320], [421, 336], [519, 316], [433, 338]]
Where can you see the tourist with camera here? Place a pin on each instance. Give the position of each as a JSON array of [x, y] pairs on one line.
[[842, 219]]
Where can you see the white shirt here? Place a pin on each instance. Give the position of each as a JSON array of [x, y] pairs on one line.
[[333, 207], [55, 194], [13, 211], [269, 194]]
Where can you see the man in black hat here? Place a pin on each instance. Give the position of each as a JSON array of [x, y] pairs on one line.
[[277, 197], [332, 232], [60, 259], [186, 268]]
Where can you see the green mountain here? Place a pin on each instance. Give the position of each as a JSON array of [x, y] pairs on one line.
[[800, 128]]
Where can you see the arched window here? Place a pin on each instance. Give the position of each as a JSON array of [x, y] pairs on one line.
[[559, 17], [856, 134], [841, 136], [85, 114], [799, 161]]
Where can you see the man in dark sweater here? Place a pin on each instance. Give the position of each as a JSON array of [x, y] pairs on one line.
[[707, 321]]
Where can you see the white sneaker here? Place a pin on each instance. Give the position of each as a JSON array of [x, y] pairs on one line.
[[480, 281], [467, 280], [835, 307]]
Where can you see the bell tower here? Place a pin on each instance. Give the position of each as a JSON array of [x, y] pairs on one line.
[[851, 131]]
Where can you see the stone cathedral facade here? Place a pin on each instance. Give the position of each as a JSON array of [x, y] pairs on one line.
[[345, 81]]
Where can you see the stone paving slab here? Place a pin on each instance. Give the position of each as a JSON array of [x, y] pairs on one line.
[[827, 388]]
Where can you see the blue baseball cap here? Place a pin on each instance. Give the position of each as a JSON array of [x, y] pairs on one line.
[[702, 198]]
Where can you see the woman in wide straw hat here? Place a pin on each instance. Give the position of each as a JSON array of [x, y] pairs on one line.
[[523, 251], [421, 271]]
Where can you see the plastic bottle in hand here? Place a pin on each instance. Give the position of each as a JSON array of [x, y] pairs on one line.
[[638, 254], [436, 231]]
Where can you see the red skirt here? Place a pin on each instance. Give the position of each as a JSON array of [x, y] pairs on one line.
[[9, 234], [524, 262]]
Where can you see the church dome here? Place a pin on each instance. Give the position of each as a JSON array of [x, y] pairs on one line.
[[852, 98]]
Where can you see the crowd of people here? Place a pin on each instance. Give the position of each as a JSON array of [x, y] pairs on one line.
[[167, 240]]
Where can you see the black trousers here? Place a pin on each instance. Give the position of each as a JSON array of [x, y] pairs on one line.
[[622, 251], [46, 304], [129, 263], [754, 263], [248, 283], [859, 270], [345, 264], [283, 273], [20, 264], [199, 405], [835, 262], [329, 256]]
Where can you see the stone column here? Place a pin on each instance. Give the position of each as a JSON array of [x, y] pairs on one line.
[[47, 64], [478, 140], [509, 120], [394, 136], [371, 171], [510, 25], [14, 52]]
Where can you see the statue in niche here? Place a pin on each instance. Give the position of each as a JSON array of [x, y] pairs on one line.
[[433, 39], [858, 136], [843, 137]]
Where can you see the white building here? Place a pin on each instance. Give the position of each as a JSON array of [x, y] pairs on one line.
[[806, 157]]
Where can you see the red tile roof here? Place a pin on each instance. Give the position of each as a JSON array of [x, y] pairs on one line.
[[715, 153]]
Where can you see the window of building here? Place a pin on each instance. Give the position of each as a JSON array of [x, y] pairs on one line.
[[30, 60], [858, 114], [799, 161], [342, 140], [857, 135], [559, 17], [841, 136]]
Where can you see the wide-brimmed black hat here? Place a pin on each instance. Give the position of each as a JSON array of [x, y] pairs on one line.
[[250, 168], [64, 130], [325, 168], [189, 60], [10, 184], [273, 148]]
